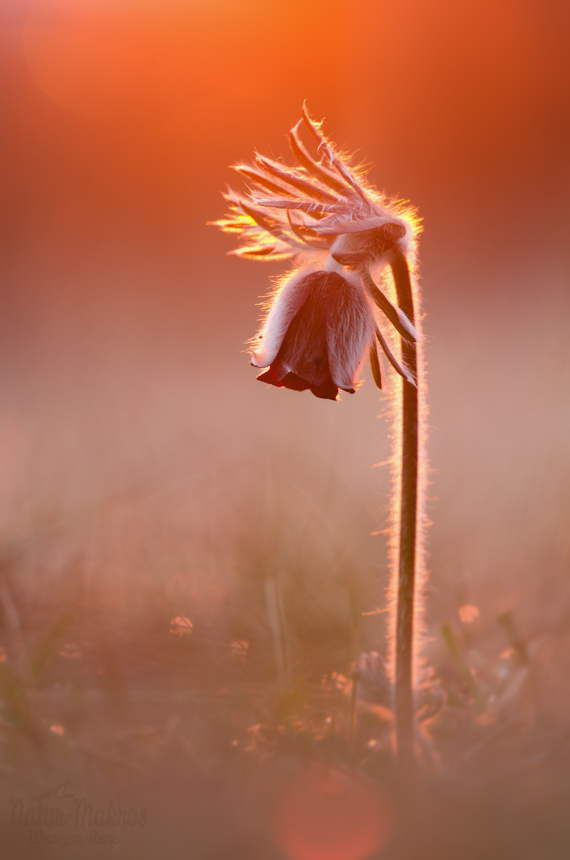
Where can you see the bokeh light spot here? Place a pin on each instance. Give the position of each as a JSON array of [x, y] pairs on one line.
[[328, 815], [181, 626], [70, 651], [468, 613]]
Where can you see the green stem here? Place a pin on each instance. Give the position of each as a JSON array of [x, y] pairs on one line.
[[407, 538]]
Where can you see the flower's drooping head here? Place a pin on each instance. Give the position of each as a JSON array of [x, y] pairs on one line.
[[321, 318], [315, 335]]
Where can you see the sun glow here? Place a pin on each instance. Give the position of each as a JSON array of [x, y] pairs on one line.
[[101, 59]]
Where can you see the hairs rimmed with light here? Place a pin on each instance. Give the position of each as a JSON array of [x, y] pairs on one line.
[[322, 205], [331, 310]]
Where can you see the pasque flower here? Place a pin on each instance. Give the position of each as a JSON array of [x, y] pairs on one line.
[[327, 313], [315, 334], [322, 318]]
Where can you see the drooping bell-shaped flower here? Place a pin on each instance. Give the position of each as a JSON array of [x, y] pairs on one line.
[[323, 318], [316, 334]]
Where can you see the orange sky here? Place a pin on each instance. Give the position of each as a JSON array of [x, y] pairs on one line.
[[137, 107], [122, 119]]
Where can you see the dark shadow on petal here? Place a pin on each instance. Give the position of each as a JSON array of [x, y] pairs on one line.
[[304, 347], [327, 390], [294, 382], [274, 375]]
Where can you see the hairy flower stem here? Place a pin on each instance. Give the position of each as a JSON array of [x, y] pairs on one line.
[[408, 525]]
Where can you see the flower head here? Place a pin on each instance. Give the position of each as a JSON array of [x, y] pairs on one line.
[[315, 334], [323, 317]]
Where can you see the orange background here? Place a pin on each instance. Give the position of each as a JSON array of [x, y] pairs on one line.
[[122, 322]]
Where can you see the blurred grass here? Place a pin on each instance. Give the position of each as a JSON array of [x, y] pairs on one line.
[[125, 671]]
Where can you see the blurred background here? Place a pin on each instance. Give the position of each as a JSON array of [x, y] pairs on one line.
[[152, 494]]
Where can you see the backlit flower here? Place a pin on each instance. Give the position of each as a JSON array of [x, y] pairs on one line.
[[324, 316], [315, 336]]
